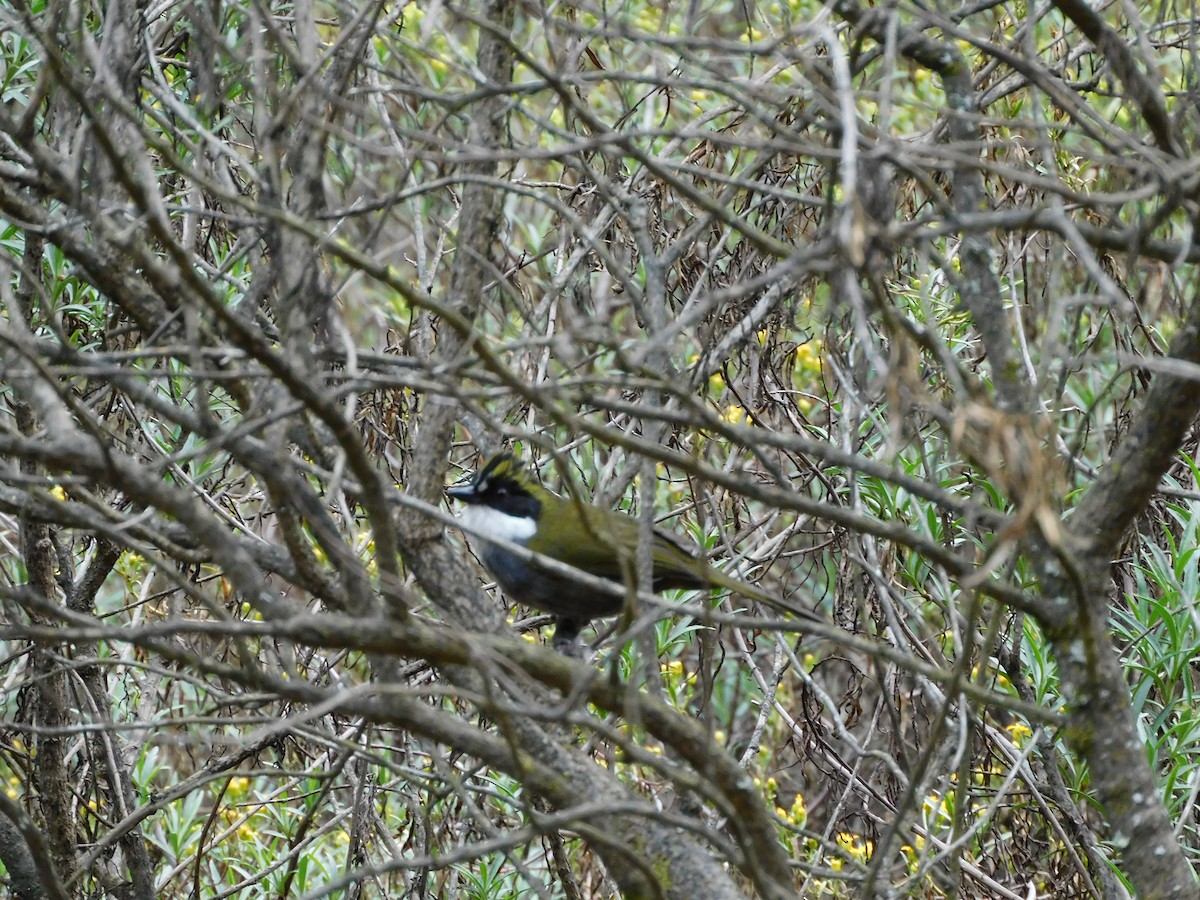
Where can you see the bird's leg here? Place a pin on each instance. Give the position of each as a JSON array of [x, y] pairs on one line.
[[566, 636]]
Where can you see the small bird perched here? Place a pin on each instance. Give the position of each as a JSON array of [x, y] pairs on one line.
[[503, 501]]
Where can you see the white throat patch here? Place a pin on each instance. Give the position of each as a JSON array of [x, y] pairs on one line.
[[493, 523]]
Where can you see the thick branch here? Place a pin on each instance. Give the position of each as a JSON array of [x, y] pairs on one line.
[[1141, 90]]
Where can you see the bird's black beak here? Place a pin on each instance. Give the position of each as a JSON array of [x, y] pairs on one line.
[[463, 492]]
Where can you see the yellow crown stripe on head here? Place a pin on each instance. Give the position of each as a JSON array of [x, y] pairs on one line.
[[502, 466]]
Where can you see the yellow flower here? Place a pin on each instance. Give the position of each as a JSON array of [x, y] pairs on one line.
[[799, 812], [854, 845], [1018, 731]]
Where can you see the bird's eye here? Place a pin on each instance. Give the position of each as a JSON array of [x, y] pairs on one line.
[[501, 490]]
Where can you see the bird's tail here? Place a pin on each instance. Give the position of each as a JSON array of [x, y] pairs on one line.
[[720, 579]]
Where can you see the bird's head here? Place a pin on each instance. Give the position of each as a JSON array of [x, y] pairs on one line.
[[503, 485]]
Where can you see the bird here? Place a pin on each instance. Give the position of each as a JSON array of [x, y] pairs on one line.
[[504, 501]]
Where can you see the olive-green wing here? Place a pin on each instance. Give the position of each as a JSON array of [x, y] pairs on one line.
[[588, 536]]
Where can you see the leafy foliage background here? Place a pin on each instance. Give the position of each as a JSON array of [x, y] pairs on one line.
[[890, 309]]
